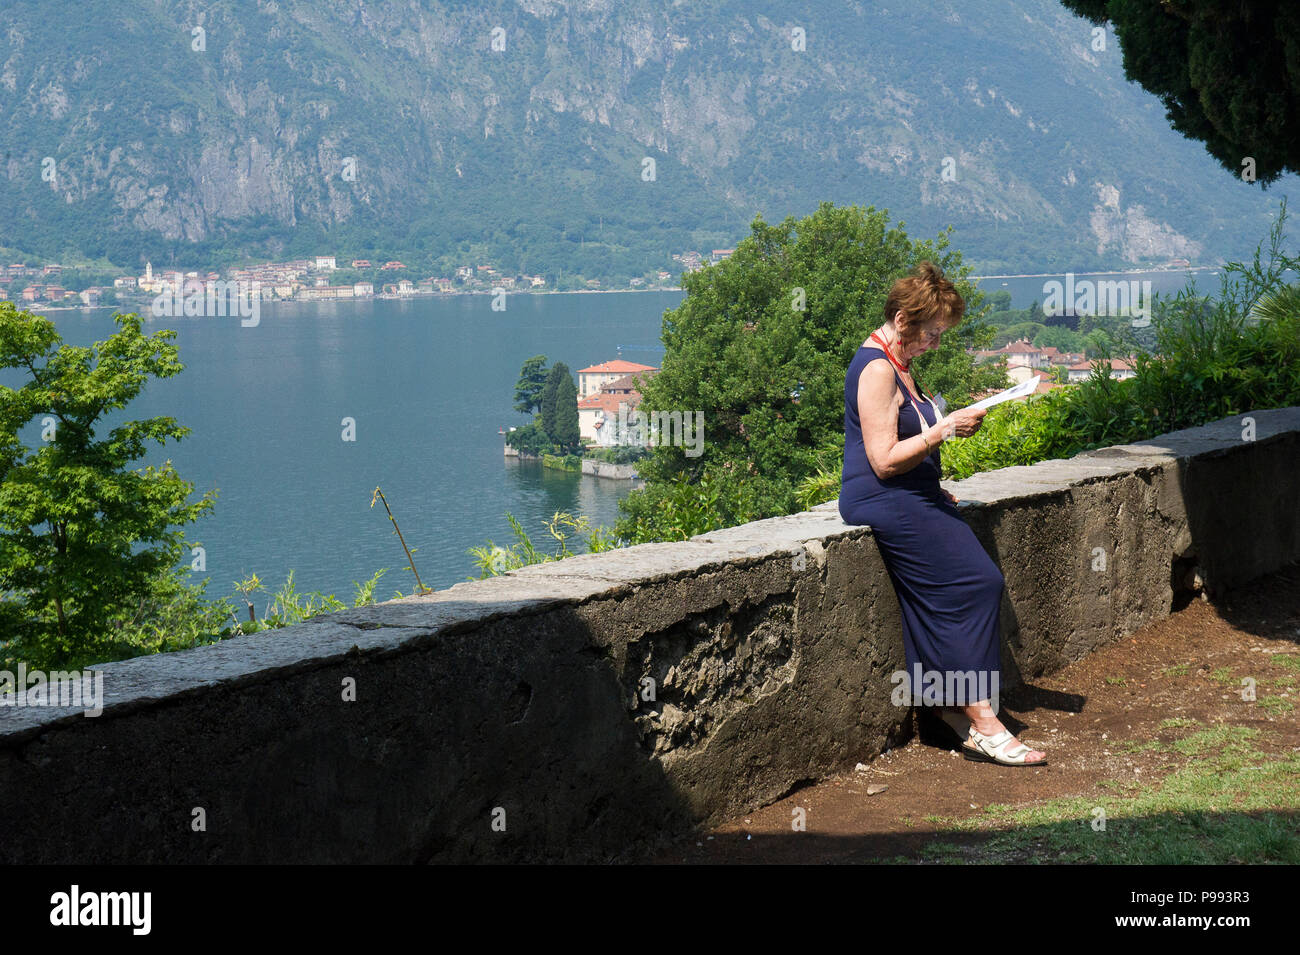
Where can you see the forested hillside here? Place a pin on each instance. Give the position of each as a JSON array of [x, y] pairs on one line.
[[519, 133]]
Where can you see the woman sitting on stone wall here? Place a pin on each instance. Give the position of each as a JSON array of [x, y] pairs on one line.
[[949, 590]]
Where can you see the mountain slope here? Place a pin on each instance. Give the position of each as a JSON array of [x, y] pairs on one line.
[[533, 155]]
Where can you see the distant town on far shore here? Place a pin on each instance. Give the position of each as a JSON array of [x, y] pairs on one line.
[[306, 280]]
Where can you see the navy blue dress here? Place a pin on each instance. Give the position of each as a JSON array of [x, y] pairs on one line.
[[949, 590]]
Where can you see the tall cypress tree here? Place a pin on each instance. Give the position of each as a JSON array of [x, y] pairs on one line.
[[566, 433], [559, 372]]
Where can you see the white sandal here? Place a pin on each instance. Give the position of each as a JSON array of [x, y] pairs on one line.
[[994, 749]]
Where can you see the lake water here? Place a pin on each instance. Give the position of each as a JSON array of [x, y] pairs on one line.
[[429, 382], [1025, 290]]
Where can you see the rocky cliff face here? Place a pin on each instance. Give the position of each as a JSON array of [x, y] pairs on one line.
[[1129, 234], [522, 130]]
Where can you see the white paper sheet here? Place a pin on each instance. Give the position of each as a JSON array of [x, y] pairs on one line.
[[1019, 391]]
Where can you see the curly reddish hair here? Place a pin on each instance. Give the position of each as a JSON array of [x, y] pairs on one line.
[[923, 297]]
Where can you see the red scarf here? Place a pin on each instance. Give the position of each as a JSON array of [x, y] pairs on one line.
[[889, 354], [894, 361]]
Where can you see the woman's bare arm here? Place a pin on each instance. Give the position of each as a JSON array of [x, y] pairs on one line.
[[878, 402]]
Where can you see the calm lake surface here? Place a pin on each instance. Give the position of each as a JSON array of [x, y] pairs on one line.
[[428, 381], [1027, 290]]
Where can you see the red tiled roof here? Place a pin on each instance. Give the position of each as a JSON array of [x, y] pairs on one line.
[[1116, 364], [617, 365], [1019, 348], [629, 382], [604, 401]]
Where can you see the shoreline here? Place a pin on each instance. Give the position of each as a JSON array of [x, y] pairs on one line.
[[1052, 275], [36, 307]]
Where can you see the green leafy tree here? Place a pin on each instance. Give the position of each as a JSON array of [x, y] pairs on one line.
[[532, 380], [759, 348], [1059, 337], [1013, 333], [1228, 74], [530, 439], [84, 537]]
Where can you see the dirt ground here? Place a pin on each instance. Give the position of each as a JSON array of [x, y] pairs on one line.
[[1083, 717]]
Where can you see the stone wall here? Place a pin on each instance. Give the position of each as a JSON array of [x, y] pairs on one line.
[[620, 472], [521, 699]]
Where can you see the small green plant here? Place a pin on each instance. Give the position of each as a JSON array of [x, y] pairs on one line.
[[681, 508], [288, 607], [494, 560], [562, 462]]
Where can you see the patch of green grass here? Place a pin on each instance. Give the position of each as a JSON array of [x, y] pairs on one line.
[[1178, 722], [1286, 660], [1116, 681], [946, 852], [1223, 675], [1227, 803], [1179, 670], [1275, 704]]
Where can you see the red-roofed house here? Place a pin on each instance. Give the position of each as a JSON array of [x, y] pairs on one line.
[[1120, 368], [592, 379], [1023, 353], [598, 412], [598, 416]]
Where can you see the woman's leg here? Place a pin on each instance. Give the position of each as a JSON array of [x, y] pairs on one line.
[[986, 723]]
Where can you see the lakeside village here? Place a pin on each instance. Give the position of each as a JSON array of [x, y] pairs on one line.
[[302, 280], [608, 395]]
